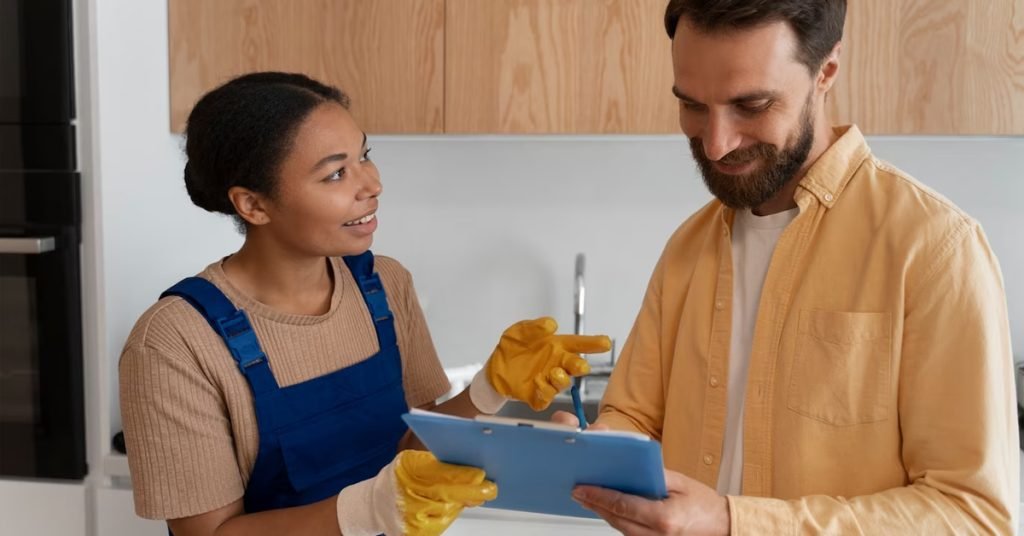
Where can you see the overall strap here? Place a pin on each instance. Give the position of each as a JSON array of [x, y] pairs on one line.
[[233, 327], [376, 300]]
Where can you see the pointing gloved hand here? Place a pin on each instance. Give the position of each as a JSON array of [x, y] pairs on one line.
[[532, 364], [415, 494]]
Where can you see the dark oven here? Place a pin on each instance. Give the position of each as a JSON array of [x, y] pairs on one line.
[[42, 423]]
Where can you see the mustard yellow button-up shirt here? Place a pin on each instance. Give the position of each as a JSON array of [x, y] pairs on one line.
[[880, 392]]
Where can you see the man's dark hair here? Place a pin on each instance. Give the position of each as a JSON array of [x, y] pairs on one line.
[[818, 24], [239, 133]]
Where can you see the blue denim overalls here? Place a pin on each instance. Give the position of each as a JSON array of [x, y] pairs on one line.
[[321, 435]]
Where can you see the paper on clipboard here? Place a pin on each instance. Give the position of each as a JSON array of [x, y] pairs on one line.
[[536, 464]]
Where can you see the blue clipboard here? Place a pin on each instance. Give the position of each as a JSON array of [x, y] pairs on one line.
[[537, 464]]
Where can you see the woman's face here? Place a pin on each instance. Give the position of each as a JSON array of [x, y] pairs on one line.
[[326, 199]]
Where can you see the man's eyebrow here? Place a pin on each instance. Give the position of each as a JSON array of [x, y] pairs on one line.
[[682, 96], [754, 96]]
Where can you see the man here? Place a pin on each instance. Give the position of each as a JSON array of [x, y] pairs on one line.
[[824, 348]]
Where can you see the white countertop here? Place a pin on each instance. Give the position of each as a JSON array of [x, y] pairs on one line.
[[476, 521]]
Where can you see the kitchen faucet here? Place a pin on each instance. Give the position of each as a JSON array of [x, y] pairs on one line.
[[579, 312], [579, 304]]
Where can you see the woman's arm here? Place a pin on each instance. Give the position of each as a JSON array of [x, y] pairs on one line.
[[414, 494], [319, 518], [460, 406]]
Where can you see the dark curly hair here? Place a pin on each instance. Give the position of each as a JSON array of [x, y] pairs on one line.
[[818, 24], [239, 133]]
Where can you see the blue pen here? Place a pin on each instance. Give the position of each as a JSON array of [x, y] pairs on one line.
[[579, 307], [577, 402]]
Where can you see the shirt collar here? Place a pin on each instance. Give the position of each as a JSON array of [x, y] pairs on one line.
[[828, 176]]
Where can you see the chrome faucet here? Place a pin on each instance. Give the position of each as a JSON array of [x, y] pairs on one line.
[[580, 326], [579, 305]]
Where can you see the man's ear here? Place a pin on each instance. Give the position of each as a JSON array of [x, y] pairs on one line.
[[250, 205], [829, 69]]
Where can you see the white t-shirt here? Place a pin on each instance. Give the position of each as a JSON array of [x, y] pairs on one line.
[[753, 242]]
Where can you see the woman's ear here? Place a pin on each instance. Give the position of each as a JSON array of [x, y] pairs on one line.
[[250, 205]]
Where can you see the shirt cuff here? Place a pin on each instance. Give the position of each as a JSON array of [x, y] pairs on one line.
[[759, 515]]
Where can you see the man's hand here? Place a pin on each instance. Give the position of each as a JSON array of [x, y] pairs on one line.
[[690, 509], [564, 417]]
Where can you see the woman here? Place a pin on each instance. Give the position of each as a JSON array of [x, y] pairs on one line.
[[265, 395]]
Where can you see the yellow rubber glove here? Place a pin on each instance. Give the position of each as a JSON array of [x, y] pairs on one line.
[[532, 364], [432, 494], [415, 494]]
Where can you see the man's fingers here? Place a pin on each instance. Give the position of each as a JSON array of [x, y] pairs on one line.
[[677, 482], [585, 344], [564, 417], [631, 507]]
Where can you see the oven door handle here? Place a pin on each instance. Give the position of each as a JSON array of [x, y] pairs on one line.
[[27, 246]]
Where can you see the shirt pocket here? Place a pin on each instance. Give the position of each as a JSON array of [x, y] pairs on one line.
[[841, 371]]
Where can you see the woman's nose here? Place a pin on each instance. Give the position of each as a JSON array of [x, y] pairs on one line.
[[372, 186]]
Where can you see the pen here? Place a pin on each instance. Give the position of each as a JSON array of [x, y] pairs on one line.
[[577, 402]]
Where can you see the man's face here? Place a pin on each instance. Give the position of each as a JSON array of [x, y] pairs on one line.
[[748, 106]]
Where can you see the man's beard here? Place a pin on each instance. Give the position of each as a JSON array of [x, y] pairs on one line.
[[776, 167]]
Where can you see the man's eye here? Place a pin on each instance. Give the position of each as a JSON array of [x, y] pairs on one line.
[[755, 107], [692, 106]]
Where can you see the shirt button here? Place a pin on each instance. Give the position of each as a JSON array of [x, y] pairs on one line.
[[714, 381], [828, 197], [719, 304], [708, 459]]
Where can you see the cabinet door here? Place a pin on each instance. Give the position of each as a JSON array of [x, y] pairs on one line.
[[932, 67], [386, 54], [558, 66]]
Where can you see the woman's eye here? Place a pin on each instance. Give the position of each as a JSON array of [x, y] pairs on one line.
[[366, 156], [336, 176]]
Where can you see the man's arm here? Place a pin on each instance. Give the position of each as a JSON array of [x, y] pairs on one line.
[[635, 398]]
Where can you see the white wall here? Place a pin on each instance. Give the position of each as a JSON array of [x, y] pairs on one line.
[[488, 226]]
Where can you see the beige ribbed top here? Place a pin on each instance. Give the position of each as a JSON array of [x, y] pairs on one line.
[[187, 410]]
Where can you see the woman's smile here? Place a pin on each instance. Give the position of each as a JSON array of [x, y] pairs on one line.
[[365, 225]]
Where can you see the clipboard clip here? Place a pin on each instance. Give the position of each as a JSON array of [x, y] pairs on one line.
[[524, 423]]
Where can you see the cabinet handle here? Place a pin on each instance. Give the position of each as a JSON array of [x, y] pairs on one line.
[[27, 246]]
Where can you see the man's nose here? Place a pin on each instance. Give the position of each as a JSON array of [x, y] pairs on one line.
[[720, 137]]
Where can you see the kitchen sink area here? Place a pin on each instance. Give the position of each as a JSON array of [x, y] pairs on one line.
[[591, 390]]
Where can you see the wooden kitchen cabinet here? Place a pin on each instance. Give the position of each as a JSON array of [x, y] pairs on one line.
[[558, 66], [589, 66], [388, 55], [932, 67]]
